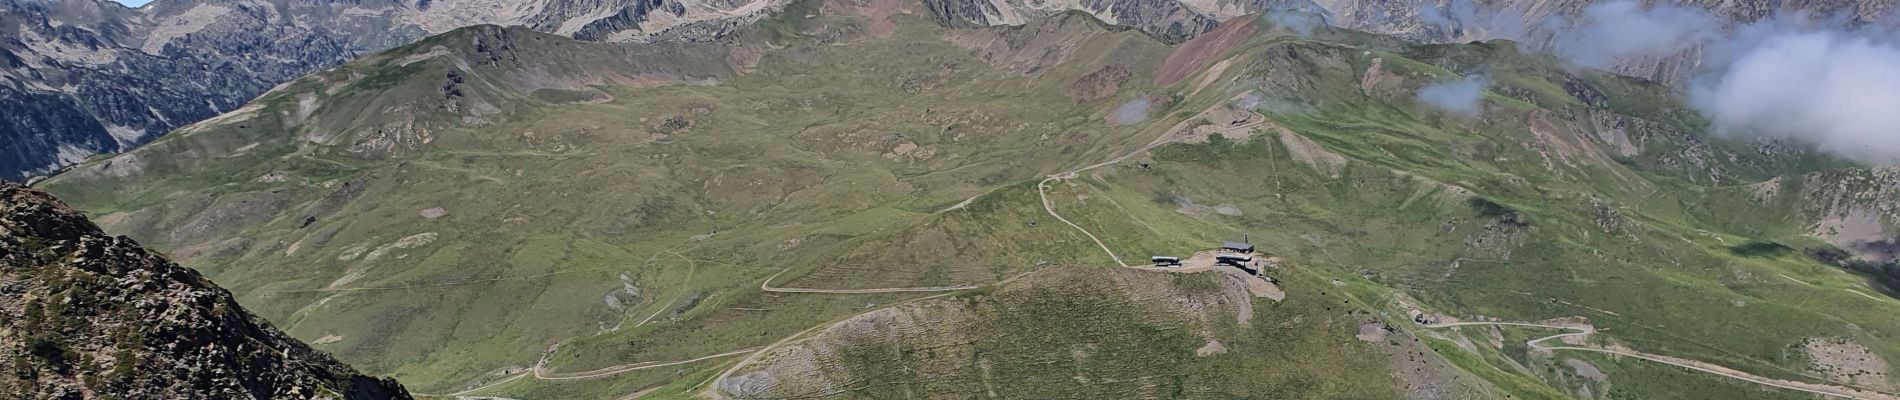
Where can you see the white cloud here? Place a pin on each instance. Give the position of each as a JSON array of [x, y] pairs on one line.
[[1833, 89], [1793, 75], [1463, 97], [1131, 112], [1619, 29]]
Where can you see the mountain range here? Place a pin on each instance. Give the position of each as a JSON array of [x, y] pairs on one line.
[[92, 77], [884, 199]]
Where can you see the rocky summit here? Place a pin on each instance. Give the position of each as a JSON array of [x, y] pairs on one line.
[[84, 315]]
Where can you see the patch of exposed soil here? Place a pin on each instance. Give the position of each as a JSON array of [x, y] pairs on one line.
[[1213, 347], [436, 51], [1378, 82], [1099, 84], [1371, 332], [1584, 369], [1611, 132], [879, 12], [1423, 374], [410, 242], [1196, 54], [1845, 361], [1231, 120], [1765, 190], [1185, 206], [1856, 225], [1311, 154], [910, 151], [742, 58], [1212, 74], [1029, 49], [1494, 242]]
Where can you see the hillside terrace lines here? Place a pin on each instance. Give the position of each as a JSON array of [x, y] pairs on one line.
[[477, 389], [1862, 294], [1582, 330], [422, 285], [766, 285], [540, 373], [713, 391], [670, 250]]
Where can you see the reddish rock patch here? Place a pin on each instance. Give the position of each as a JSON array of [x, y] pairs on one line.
[[1101, 83], [1196, 54], [879, 13], [743, 57]]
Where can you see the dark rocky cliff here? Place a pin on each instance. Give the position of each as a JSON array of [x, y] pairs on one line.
[[84, 315], [79, 79]]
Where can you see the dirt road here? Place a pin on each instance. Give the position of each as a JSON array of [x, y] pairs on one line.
[[1042, 190], [1172, 135], [542, 374], [767, 286], [691, 267], [1586, 330]]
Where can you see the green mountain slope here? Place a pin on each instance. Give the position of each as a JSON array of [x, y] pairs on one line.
[[499, 212], [1122, 333], [88, 315]]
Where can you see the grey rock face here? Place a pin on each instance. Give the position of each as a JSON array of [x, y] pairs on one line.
[[90, 78], [86, 315], [85, 77], [1535, 23]]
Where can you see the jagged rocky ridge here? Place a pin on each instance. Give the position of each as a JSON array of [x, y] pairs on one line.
[[88, 77], [86, 315]]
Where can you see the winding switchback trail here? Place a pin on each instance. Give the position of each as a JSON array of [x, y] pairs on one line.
[[1586, 330], [1166, 137], [1048, 206], [1170, 136]]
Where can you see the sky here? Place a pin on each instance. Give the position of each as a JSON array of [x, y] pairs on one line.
[[133, 3]]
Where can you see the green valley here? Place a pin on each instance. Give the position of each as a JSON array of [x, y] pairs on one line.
[[848, 199]]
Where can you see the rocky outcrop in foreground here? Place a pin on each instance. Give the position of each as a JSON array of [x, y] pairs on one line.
[[84, 315]]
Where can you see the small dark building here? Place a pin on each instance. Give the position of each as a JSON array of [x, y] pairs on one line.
[[1237, 247], [1166, 261], [1243, 262]]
